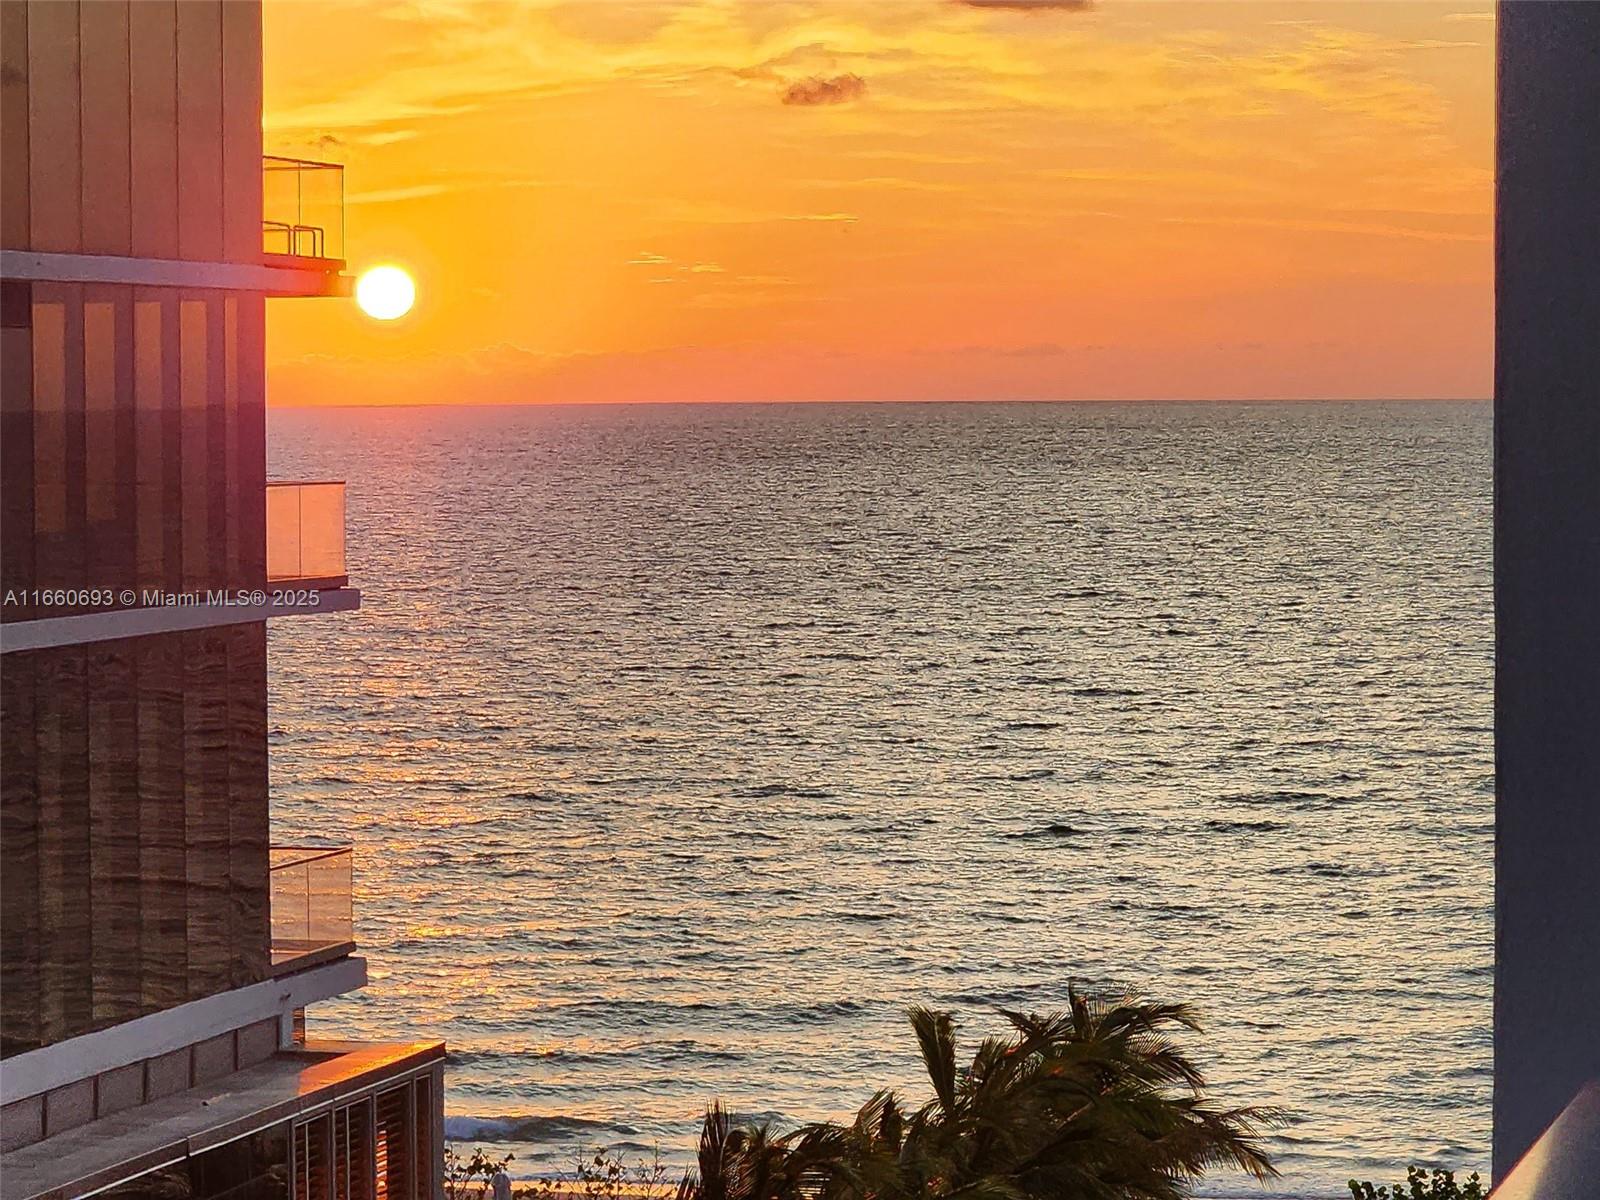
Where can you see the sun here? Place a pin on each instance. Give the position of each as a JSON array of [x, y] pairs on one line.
[[385, 293]]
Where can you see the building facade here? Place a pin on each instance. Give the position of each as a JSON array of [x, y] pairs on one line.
[[157, 952], [1547, 581]]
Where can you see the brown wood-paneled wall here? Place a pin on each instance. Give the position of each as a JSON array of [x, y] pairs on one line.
[[132, 126], [133, 806], [137, 458], [133, 418]]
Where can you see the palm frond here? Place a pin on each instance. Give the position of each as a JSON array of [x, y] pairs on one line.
[[937, 1039]]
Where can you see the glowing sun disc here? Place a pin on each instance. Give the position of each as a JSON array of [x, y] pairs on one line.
[[385, 293]]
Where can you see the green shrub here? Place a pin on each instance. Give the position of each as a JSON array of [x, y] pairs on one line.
[[606, 1176], [1421, 1184], [466, 1177]]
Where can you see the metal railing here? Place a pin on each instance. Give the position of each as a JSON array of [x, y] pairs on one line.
[[302, 207], [310, 896], [305, 532]]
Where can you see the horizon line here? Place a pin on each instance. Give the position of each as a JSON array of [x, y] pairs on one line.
[[1234, 400]]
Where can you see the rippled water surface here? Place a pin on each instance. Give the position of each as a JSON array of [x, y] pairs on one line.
[[684, 747]]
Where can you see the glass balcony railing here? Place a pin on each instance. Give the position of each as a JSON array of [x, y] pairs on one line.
[[302, 208], [311, 915], [305, 533]]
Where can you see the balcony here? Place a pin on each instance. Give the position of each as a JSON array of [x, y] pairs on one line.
[[305, 576], [311, 919], [305, 534], [302, 212]]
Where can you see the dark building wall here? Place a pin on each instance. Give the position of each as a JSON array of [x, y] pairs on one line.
[[132, 126], [133, 444], [133, 420], [135, 452], [1547, 568], [134, 802]]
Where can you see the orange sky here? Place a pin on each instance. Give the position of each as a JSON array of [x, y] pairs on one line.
[[894, 199]]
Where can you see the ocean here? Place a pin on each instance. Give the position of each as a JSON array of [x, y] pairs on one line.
[[684, 747]]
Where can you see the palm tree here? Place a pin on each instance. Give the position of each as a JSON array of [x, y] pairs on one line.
[[748, 1163], [1093, 1103]]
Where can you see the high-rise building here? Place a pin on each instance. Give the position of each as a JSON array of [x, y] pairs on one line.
[[158, 952]]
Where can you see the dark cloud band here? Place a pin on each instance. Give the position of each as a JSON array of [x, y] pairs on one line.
[[819, 89]]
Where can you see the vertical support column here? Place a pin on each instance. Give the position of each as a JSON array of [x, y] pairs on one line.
[[1547, 567], [433, 1180]]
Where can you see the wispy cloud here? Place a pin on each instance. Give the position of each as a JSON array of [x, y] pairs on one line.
[[1029, 350], [1362, 229], [459, 182], [1030, 5], [390, 195]]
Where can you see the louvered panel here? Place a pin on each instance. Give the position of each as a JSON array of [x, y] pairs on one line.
[[393, 1148], [311, 1159], [341, 1154], [352, 1152], [426, 1168]]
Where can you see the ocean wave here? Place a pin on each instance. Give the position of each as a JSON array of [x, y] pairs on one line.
[[1325, 869], [764, 791], [896, 826], [1295, 799], [681, 1050], [648, 1014], [1056, 829], [528, 1128], [463, 1058]]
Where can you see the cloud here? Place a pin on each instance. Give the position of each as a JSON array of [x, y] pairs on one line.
[[647, 259], [388, 137], [1030, 5], [390, 195], [1363, 229], [460, 181], [819, 89], [1028, 350]]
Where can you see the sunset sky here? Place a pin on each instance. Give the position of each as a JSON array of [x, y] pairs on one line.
[[894, 199]]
